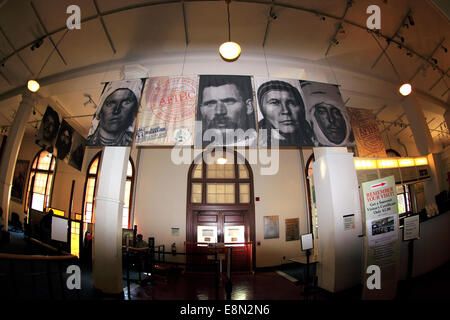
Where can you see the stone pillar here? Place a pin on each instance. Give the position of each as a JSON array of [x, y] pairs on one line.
[[11, 151], [337, 195], [107, 253]]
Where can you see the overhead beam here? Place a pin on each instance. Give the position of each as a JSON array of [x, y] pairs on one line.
[[100, 16], [14, 50], [46, 33], [347, 6]]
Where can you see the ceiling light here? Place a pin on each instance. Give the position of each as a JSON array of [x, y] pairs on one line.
[[405, 89], [33, 85], [229, 51]]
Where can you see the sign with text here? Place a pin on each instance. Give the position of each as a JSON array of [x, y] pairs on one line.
[[367, 135], [381, 241], [167, 115], [411, 228]]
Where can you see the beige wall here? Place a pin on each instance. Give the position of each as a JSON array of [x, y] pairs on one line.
[[161, 202]]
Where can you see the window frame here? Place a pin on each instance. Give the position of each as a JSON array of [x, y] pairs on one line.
[[204, 181], [47, 172], [95, 176]]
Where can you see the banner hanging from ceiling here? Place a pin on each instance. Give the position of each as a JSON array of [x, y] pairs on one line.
[[367, 135], [167, 114], [327, 114], [225, 112], [281, 114], [114, 120], [48, 130]]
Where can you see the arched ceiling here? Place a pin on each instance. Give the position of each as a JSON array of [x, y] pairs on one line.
[[174, 37]]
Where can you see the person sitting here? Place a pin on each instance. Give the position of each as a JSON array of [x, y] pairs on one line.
[[140, 243]]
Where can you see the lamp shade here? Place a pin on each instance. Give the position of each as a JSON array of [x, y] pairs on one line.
[[33, 85], [230, 51]]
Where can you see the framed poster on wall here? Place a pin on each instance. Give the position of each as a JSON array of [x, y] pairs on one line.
[[292, 229]]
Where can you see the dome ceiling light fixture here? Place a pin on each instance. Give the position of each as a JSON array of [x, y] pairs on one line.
[[229, 51], [405, 89], [33, 85]]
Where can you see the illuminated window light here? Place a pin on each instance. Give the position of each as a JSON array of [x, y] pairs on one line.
[[365, 164], [406, 162], [387, 163], [421, 161], [56, 212], [221, 161]]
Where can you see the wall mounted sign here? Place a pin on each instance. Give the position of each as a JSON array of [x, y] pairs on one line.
[[349, 222], [411, 228], [292, 229], [271, 227]]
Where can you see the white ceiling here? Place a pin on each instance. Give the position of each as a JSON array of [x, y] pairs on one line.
[[153, 35]]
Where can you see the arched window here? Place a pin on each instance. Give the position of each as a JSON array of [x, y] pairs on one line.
[[40, 181], [91, 187]]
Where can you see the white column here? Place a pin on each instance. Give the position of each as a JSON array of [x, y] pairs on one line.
[[421, 133], [107, 253], [337, 195], [11, 151], [425, 144]]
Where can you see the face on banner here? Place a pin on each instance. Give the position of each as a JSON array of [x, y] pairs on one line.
[[64, 141], [225, 109], [48, 130], [77, 151], [114, 120], [327, 114], [281, 112]]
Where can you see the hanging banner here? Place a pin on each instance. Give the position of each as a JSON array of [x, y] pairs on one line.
[[327, 114], [167, 115], [281, 113], [77, 151], [381, 241], [367, 135], [48, 130], [114, 120], [225, 111], [64, 141]]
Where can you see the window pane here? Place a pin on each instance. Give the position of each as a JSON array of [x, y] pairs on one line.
[[125, 218], [401, 204], [220, 193], [220, 171], [129, 169], [38, 202], [244, 193], [243, 172], [44, 160], [197, 172], [196, 193], [93, 168], [75, 238], [40, 182]]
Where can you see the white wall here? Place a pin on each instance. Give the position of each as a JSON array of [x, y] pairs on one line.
[[161, 202]]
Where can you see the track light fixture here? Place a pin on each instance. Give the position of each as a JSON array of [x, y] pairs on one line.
[[411, 20], [229, 51], [444, 48], [37, 44], [272, 14]]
